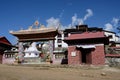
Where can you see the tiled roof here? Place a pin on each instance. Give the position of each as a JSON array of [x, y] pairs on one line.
[[85, 35]]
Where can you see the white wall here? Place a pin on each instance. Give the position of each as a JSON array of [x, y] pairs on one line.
[[62, 43], [114, 37]]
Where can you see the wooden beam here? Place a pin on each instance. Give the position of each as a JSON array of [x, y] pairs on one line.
[[36, 39]]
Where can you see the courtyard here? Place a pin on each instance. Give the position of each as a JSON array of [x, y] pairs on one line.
[[49, 72]]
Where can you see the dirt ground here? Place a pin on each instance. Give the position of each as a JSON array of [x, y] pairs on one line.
[[13, 72]]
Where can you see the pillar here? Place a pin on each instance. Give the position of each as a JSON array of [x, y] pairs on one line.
[[20, 52], [51, 48]]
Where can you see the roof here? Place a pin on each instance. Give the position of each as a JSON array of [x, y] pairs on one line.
[[37, 34], [86, 35], [4, 40], [109, 31], [33, 31]]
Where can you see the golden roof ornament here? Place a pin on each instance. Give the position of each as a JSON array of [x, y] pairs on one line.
[[36, 23], [42, 26], [30, 28]]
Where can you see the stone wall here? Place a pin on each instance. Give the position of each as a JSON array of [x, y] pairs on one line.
[[112, 61]]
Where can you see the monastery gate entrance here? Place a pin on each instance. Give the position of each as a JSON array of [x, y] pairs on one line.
[[35, 45]]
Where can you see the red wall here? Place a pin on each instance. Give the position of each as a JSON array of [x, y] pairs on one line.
[[73, 59], [95, 57], [98, 56]]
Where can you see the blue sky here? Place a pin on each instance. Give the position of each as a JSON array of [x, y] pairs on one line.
[[17, 14]]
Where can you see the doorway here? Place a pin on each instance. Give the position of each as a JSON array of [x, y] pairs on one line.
[[85, 56]]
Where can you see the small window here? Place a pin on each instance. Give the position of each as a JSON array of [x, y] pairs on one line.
[[59, 35], [59, 56], [66, 35], [110, 36], [59, 45], [9, 55], [59, 41]]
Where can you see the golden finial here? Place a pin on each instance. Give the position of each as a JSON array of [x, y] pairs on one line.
[[42, 26], [30, 27], [36, 23]]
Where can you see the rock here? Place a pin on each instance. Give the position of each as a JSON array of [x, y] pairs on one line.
[[103, 74]]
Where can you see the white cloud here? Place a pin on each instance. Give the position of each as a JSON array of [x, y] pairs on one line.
[[115, 21], [109, 27], [89, 14], [61, 14], [113, 25], [80, 21], [53, 22], [69, 26], [74, 19]]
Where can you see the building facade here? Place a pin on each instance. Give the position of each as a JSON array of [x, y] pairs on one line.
[[36, 45], [86, 48], [80, 45], [113, 38], [59, 42], [4, 45]]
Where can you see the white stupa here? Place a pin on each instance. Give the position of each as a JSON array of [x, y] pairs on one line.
[[32, 51]]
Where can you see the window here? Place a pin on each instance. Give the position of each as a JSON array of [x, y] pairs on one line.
[[59, 45], [59, 56], [110, 36], [59, 35], [9, 55], [59, 41], [66, 35]]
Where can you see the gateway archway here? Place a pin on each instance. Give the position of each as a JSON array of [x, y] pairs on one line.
[[35, 45]]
